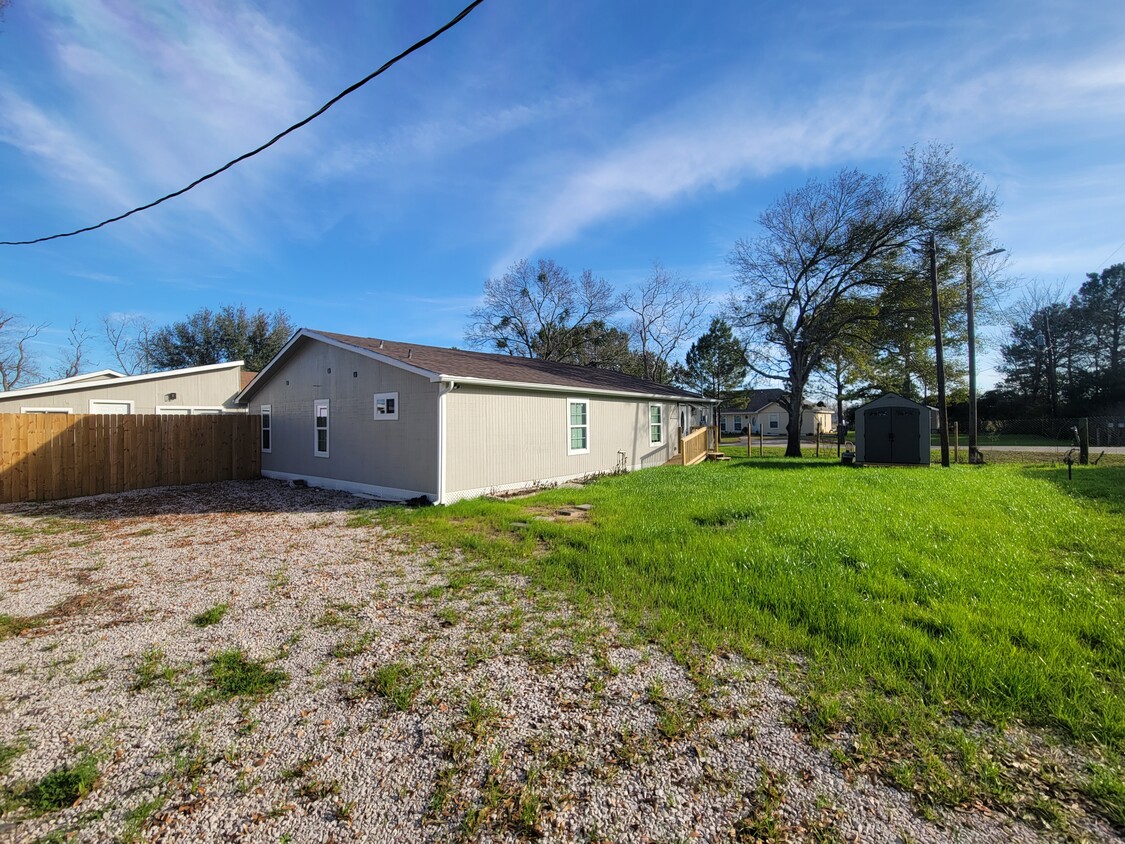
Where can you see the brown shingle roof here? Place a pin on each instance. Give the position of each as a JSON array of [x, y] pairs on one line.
[[493, 367], [244, 378]]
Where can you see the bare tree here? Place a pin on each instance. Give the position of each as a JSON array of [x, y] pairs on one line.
[[813, 279], [77, 340], [17, 363], [539, 311], [129, 337], [665, 311]]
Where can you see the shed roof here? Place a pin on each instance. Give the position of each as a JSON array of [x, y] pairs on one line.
[[115, 379], [447, 364]]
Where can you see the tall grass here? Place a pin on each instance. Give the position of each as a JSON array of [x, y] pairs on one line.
[[994, 591]]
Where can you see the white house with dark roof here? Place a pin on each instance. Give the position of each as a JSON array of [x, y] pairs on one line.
[[764, 413], [401, 420]]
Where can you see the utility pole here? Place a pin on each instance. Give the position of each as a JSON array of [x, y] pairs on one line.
[[974, 454], [939, 357]]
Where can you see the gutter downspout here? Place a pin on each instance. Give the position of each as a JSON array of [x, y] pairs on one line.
[[447, 387]]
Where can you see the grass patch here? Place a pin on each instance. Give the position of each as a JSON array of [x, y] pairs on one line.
[[137, 817], [397, 682], [13, 625], [916, 596], [8, 753], [232, 675], [1106, 787], [59, 789], [153, 669], [210, 616]]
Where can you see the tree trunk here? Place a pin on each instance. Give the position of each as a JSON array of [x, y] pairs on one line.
[[796, 399]]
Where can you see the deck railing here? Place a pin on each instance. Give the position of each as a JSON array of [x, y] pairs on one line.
[[693, 447]]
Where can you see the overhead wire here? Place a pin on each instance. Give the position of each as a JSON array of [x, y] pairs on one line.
[[386, 66]]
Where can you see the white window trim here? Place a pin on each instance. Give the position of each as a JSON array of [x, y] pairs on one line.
[[317, 405], [192, 410], [385, 417], [569, 427], [94, 402], [46, 410], [267, 413], [775, 421], [660, 410]]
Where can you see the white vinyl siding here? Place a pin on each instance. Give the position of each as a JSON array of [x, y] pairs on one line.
[[267, 429], [578, 426], [320, 428], [655, 424]]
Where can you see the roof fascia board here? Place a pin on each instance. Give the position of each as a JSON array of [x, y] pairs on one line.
[[117, 382], [556, 388]]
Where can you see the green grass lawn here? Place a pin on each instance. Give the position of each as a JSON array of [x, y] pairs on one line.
[[915, 597]]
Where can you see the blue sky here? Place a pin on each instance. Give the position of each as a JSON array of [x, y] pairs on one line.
[[602, 134]]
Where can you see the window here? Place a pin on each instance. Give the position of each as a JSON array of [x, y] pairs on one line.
[[386, 405], [738, 424], [267, 428], [102, 406], [655, 424], [320, 429], [44, 410], [775, 421], [179, 410], [578, 426]]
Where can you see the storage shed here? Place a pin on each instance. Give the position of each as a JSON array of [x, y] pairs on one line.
[[892, 430]]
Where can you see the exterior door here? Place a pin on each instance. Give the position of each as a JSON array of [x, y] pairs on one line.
[[904, 426], [878, 436]]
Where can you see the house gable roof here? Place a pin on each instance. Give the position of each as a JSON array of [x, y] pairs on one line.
[[69, 384], [761, 399], [440, 364]]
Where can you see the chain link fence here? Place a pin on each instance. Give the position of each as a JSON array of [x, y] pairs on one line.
[[1046, 439]]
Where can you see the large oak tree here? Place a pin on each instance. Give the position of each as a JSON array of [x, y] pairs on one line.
[[813, 279]]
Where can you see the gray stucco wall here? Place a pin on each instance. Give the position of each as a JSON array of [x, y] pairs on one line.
[[497, 438], [204, 389], [389, 454]]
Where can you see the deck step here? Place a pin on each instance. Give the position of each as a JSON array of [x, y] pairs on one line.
[[717, 455]]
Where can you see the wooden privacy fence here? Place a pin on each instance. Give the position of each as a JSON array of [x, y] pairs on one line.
[[693, 447], [45, 456]]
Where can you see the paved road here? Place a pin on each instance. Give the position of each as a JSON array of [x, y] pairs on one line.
[[830, 442]]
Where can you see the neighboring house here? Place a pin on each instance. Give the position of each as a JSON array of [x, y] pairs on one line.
[[764, 413], [400, 420], [199, 389]]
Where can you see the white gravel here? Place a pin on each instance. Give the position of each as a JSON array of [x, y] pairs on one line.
[[531, 719]]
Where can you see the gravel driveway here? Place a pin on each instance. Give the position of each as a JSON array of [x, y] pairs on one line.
[[406, 695]]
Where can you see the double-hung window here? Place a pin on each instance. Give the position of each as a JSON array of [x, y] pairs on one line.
[[267, 428], [655, 424], [578, 426], [320, 428]]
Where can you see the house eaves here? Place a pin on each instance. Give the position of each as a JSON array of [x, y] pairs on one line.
[[25, 392]]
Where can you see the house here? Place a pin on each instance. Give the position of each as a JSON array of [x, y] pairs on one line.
[[195, 390], [765, 413], [892, 429], [402, 420]]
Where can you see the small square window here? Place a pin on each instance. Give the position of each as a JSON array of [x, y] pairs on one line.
[[386, 406]]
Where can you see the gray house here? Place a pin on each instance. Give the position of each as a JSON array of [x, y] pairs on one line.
[[192, 391], [400, 420]]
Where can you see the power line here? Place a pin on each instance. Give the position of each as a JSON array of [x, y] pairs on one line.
[[1105, 262], [417, 46]]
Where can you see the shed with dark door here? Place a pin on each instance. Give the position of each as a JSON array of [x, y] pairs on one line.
[[892, 429]]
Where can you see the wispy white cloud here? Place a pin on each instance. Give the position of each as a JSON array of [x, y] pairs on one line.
[[152, 98]]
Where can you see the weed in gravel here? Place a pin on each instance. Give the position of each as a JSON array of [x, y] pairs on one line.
[[153, 669], [210, 616], [479, 717], [331, 618], [674, 717], [448, 616], [1106, 787], [137, 817], [444, 789], [300, 769], [397, 682], [367, 517], [9, 752], [475, 655], [59, 789], [232, 675], [763, 822], [353, 645], [13, 625], [94, 675], [316, 789]]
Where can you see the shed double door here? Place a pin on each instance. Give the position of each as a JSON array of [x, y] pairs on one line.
[[891, 435]]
